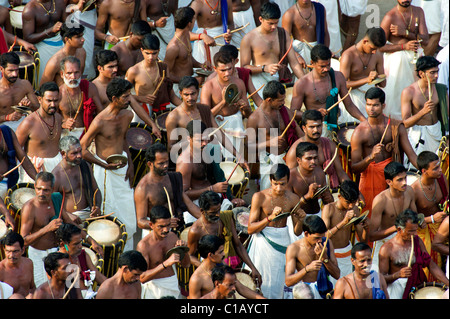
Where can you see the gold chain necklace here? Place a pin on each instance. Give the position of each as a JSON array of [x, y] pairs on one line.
[[189, 50], [148, 74], [408, 25], [74, 105], [298, 169], [75, 202], [51, 137], [48, 11]]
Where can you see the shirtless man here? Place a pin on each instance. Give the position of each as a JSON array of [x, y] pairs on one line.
[[269, 121], [395, 258], [311, 125], [14, 91], [107, 63], [358, 280], [215, 221], [58, 268], [336, 215], [39, 133], [260, 48], [146, 76], [117, 17], [194, 163], [75, 180], [361, 64], [321, 88], [73, 46], [306, 257], [211, 249], [369, 154], [17, 270], [307, 178], [41, 217], [125, 283], [42, 22], [80, 101], [404, 26], [224, 280], [160, 279], [388, 204], [150, 190], [178, 57], [302, 21], [213, 94], [129, 51], [108, 131], [269, 259], [245, 11], [430, 192], [423, 112], [209, 21]]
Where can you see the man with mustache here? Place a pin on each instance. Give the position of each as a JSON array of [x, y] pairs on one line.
[[14, 91], [79, 102], [108, 132], [404, 26], [388, 204], [75, 180], [73, 46], [40, 132], [224, 280], [17, 270], [321, 88], [150, 191], [362, 283], [160, 278], [215, 221], [125, 283]]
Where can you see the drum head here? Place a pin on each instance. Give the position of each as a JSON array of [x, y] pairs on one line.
[[161, 121], [3, 229], [238, 175], [139, 138], [429, 293], [26, 59], [91, 254], [231, 93], [21, 109], [117, 159], [104, 231], [181, 250], [244, 278], [344, 133], [22, 195], [184, 234], [241, 215], [83, 214]]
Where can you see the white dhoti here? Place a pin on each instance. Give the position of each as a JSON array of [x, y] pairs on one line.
[[118, 197], [89, 18], [13, 125], [240, 19], [266, 162], [357, 96], [47, 48], [343, 257], [77, 132], [432, 11], [37, 257], [397, 288], [353, 8], [165, 35], [304, 49], [376, 251], [161, 287], [6, 290], [284, 6], [399, 74], [443, 57], [234, 130], [41, 165], [263, 78], [267, 251], [198, 48], [424, 138]]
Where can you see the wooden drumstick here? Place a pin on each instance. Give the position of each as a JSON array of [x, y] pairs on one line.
[[250, 95], [289, 49], [99, 217], [412, 252], [93, 197], [217, 129], [324, 246], [77, 277], [12, 169], [79, 106], [332, 160], [342, 99], [160, 82], [385, 130], [168, 202], [293, 118], [124, 38], [232, 31]]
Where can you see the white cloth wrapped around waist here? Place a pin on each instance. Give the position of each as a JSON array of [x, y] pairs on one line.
[[353, 8], [343, 258], [46, 164], [397, 288], [424, 138], [37, 257], [304, 49], [165, 35], [240, 19], [357, 96], [47, 48], [198, 48], [161, 287], [6, 290]]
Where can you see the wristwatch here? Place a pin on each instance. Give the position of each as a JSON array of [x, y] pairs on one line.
[[325, 261], [263, 67]]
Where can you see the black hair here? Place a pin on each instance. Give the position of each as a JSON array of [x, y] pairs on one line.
[[140, 27], [349, 190], [313, 224], [311, 115], [219, 271], [375, 93], [223, 57], [13, 238], [159, 212], [48, 86], [9, 58], [133, 259], [209, 244], [377, 36], [150, 153], [270, 10], [425, 158], [393, 169], [231, 49], [304, 147], [65, 232], [405, 216], [360, 246], [45, 177], [208, 199], [279, 171], [70, 32], [104, 57], [320, 52], [183, 16], [150, 42], [425, 63], [117, 87], [188, 81], [272, 89], [51, 261]]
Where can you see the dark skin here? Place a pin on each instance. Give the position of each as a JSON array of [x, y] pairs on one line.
[[124, 284]]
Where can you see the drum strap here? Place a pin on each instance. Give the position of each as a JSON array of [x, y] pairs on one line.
[[14, 175], [87, 182]]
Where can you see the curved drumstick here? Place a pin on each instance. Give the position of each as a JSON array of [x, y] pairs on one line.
[[77, 277], [12, 169], [232, 31], [323, 249], [99, 217], [160, 82], [289, 49], [217, 129], [250, 95], [412, 252], [385, 130], [332, 160], [293, 118], [168, 202], [79, 106], [342, 99]]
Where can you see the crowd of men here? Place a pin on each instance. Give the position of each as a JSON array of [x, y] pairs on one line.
[[265, 86]]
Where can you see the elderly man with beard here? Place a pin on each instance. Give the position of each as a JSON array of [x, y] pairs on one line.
[[108, 130], [160, 278], [14, 91], [75, 180], [80, 101], [356, 285], [40, 132]]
